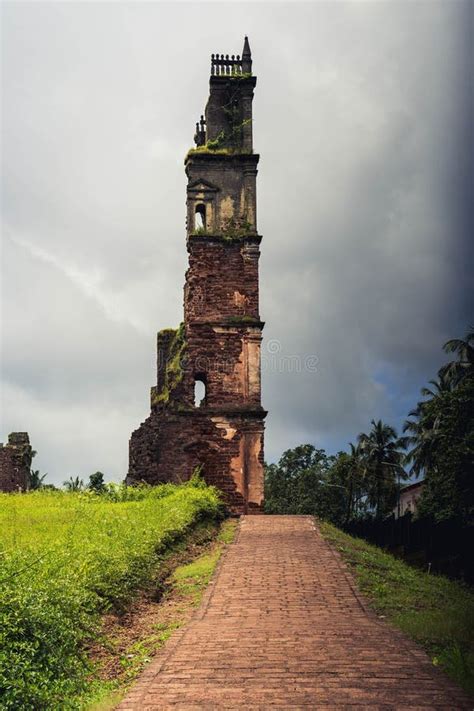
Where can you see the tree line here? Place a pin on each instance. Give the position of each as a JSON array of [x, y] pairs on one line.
[[437, 444], [96, 482]]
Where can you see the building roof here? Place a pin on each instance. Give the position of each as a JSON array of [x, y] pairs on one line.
[[412, 487]]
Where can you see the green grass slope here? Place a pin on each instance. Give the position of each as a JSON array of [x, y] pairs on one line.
[[64, 560], [436, 612]]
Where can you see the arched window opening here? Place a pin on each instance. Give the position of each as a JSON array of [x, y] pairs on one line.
[[200, 391], [200, 217]]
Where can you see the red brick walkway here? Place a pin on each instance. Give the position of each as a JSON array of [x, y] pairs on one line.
[[282, 626]]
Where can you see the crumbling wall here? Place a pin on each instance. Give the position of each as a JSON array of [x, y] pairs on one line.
[[15, 463], [222, 279], [170, 444]]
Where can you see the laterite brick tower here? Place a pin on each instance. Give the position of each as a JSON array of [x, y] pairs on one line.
[[217, 348]]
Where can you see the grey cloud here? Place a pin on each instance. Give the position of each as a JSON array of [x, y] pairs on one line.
[[361, 119]]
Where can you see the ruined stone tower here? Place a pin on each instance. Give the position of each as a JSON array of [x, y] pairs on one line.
[[15, 462], [217, 348]]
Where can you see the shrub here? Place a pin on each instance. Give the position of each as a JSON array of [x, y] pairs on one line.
[[67, 558]]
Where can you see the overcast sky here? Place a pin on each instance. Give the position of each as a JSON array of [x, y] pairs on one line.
[[362, 121]]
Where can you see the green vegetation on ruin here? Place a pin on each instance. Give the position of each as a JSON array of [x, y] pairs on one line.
[[235, 74], [223, 236], [222, 150], [436, 612], [236, 229], [224, 143], [206, 148], [232, 231], [201, 231], [174, 366], [68, 558], [240, 77], [167, 331]]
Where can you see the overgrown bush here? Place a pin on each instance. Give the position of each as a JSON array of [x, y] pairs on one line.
[[65, 558]]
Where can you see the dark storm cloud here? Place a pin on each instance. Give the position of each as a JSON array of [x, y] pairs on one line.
[[362, 121]]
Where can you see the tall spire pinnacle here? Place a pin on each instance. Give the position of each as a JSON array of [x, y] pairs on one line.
[[246, 51], [246, 57]]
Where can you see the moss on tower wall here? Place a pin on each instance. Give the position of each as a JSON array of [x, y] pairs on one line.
[[173, 367]]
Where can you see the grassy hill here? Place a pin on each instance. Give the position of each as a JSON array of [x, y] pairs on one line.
[[65, 559], [436, 612]]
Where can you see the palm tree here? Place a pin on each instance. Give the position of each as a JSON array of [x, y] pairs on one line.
[[382, 452], [423, 428], [437, 435], [420, 440], [423, 431], [36, 479], [464, 365], [440, 386], [355, 468], [75, 484]]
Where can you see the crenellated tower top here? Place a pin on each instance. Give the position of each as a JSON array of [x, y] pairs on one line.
[[222, 169], [227, 120], [234, 65]]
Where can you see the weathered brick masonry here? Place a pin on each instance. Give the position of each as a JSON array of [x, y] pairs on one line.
[[218, 344], [15, 462]]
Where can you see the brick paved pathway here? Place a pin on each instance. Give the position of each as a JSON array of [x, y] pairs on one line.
[[282, 626]]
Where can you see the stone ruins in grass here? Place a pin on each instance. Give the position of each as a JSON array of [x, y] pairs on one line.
[[15, 463], [206, 406]]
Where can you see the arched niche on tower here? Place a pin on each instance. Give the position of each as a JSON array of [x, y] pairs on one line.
[[201, 204], [200, 216], [200, 390]]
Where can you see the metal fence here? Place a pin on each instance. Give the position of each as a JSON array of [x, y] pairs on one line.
[[446, 547]]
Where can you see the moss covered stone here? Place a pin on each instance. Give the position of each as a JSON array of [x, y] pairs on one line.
[[173, 372]]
